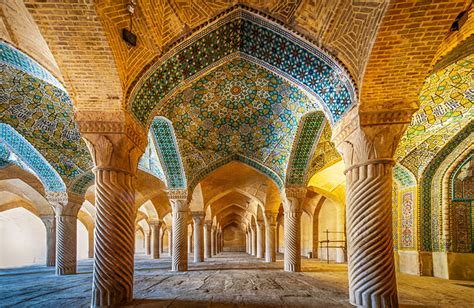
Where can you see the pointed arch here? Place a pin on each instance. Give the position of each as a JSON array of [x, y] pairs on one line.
[[242, 34], [30, 156], [168, 152], [309, 132]]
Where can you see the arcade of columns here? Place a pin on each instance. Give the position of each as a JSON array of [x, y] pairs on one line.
[[365, 140]]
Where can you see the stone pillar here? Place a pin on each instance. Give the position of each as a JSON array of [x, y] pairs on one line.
[[170, 242], [198, 218], [213, 240], [155, 227], [116, 143], [50, 224], [270, 236], [249, 242], [260, 239], [66, 236], [148, 242], [207, 240], [292, 228], [367, 141], [253, 241], [179, 206], [90, 250], [218, 241], [190, 243]]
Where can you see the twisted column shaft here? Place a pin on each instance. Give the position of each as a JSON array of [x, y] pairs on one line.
[[213, 241], [114, 238], [190, 244], [292, 258], [198, 237], [372, 281], [260, 240], [207, 240], [170, 242], [155, 240], [179, 258], [253, 241], [270, 235], [148, 243], [50, 224], [66, 247]]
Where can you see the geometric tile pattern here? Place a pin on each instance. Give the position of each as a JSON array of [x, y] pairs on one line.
[[32, 158], [304, 145], [82, 183], [43, 115], [325, 153], [15, 58], [426, 216], [240, 107], [168, 152], [407, 217], [403, 176], [246, 36], [446, 106], [150, 162]]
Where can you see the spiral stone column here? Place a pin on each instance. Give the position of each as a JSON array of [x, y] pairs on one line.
[[213, 240], [148, 242], [253, 241], [270, 235], [293, 201], [207, 239], [170, 242], [66, 238], [198, 218], [50, 224], [116, 143], [179, 205], [155, 239], [367, 141], [260, 239]]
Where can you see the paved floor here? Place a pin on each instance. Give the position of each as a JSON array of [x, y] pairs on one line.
[[227, 280]]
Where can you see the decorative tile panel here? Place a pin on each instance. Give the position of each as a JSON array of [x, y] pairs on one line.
[[304, 146], [15, 58], [427, 214], [246, 36], [168, 152], [403, 176], [29, 155], [446, 106]]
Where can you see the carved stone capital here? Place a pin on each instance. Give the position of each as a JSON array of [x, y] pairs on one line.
[[114, 139], [271, 217], [56, 198], [369, 136], [49, 221], [198, 217], [156, 224], [293, 198]]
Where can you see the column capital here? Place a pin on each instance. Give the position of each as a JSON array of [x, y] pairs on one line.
[[116, 141], [156, 223], [178, 199], [364, 136], [208, 224], [293, 198], [198, 217], [49, 221], [270, 217]]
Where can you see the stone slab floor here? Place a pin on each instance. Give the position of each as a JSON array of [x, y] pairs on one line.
[[228, 280]]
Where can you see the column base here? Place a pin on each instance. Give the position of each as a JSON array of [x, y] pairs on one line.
[[109, 298], [65, 271], [292, 268], [179, 268]]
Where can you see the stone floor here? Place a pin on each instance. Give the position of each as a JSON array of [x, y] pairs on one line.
[[228, 280]]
